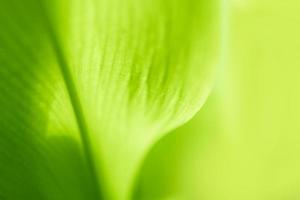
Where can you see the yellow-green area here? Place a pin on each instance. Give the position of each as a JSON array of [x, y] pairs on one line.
[[244, 143]]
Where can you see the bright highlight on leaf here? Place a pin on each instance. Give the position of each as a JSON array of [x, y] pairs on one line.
[[88, 86]]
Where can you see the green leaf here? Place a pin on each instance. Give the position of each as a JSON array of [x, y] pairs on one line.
[[87, 87]]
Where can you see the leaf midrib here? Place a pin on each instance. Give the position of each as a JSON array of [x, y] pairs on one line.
[[75, 104]]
